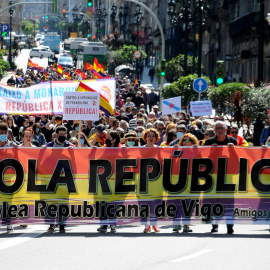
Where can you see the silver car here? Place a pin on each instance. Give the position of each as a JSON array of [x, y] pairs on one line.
[[41, 52]]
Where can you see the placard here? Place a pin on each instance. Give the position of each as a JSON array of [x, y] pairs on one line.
[[81, 106], [201, 108]]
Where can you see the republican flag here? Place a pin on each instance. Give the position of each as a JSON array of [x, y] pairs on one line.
[[54, 65], [45, 75], [104, 104], [96, 65], [97, 75], [78, 72], [19, 78], [59, 70], [136, 81], [101, 68], [66, 75], [102, 74], [33, 66], [88, 66]]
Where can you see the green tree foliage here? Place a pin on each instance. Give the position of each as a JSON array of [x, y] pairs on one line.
[[229, 98], [256, 103], [28, 27], [175, 67], [4, 66], [183, 87], [127, 53]]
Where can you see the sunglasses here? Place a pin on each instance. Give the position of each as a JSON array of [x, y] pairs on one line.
[[139, 122], [234, 132], [131, 140], [187, 140]]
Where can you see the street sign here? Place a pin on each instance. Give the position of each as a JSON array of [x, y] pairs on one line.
[[200, 85], [5, 28], [137, 54]]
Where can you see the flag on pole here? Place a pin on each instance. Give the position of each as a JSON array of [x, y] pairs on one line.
[[104, 104], [59, 70], [97, 75], [54, 65], [33, 66], [66, 75], [45, 75], [88, 66], [136, 81], [171, 105], [96, 65]]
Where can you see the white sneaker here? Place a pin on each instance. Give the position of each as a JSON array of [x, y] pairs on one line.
[[9, 228]]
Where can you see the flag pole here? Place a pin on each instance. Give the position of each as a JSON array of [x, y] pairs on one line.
[[79, 136]]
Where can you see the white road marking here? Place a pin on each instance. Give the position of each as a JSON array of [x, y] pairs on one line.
[[24, 237], [197, 254]]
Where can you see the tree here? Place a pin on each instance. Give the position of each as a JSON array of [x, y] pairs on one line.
[[229, 98], [175, 67], [256, 103], [127, 53], [28, 27], [4, 66], [183, 87]]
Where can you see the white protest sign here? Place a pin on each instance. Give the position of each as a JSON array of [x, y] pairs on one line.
[[201, 108], [81, 106]]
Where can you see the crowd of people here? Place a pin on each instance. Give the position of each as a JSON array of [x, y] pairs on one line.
[[137, 123]]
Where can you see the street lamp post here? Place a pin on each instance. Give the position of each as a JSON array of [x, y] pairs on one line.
[[75, 17], [261, 43], [138, 14], [113, 15], [124, 21], [100, 17], [199, 8], [10, 30], [172, 13], [120, 19]]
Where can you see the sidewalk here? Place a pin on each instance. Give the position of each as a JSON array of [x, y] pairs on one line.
[[146, 81]]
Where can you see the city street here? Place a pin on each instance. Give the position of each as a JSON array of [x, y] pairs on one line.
[[82, 247]]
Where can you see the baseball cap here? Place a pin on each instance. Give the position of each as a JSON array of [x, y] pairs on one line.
[[101, 128]]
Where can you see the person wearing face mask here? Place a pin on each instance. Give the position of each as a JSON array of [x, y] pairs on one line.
[[38, 136], [59, 141], [112, 140], [4, 142], [180, 131], [83, 140], [131, 139]]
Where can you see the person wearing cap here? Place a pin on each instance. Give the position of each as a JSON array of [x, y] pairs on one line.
[[133, 113], [157, 113], [99, 139]]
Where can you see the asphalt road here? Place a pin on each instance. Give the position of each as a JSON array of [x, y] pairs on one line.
[[82, 247]]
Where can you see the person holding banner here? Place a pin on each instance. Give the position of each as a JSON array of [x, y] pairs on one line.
[[60, 141], [221, 139], [4, 142], [151, 137], [27, 138]]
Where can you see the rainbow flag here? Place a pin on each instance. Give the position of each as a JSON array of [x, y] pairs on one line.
[[33, 66], [88, 66], [96, 65], [136, 81], [59, 70], [104, 104]]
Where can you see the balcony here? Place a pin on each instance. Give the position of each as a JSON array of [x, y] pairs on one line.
[[244, 24]]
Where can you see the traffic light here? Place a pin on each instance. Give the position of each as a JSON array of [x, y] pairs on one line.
[[36, 17], [64, 13], [88, 35], [220, 72], [94, 37], [89, 3], [163, 68], [46, 17]]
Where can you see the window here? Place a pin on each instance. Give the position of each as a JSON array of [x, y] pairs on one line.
[[233, 11]]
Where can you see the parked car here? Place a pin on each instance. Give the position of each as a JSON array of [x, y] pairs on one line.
[[41, 52], [66, 61]]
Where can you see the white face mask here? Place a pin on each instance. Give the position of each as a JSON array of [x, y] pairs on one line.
[[180, 135]]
